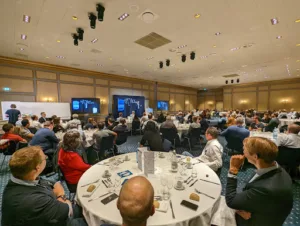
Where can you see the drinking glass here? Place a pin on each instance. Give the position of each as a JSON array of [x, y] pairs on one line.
[[117, 182], [182, 169], [170, 184], [194, 173], [164, 181]]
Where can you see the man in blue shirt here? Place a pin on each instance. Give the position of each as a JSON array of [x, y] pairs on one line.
[[13, 114], [45, 138], [235, 136]]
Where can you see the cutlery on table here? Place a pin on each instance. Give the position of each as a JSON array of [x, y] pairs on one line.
[[173, 215], [190, 181], [194, 183], [90, 183], [104, 184], [199, 192], [187, 179], [210, 182], [109, 180], [98, 197]]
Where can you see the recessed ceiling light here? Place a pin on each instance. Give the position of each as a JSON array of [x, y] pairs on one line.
[[94, 40], [244, 65], [60, 57], [47, 57], [235, 48], [298, 44], [110, 58], [298, 61], [180, 47], [197, 15], [58, 41], [214, 46], [203, 57], [150, 65], [81, 51], [22, 49], [74, 17], [298, 69], [26, 19], [99, 65], [123, 17], [149, 58], [218, 33], [279, 37], [24, 37], [297, 21], [274, 21]]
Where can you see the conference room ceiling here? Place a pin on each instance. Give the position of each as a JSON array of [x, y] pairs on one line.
[[248, 44]]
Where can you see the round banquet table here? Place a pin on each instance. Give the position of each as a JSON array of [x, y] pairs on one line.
[[288, 121], [97, 213]]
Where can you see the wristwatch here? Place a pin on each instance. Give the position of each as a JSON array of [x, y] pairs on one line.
[[63, 197]]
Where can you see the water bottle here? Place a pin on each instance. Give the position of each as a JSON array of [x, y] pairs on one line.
[[137, 154], [174, 163], [275, 133]]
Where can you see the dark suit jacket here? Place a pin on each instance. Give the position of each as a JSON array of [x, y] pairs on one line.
[[269, 198], [42, 120]]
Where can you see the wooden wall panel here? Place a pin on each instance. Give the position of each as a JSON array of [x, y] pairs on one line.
[[278, 97], [45, 75], [146, 87], [47, 90], [263, 88], [286, 86], [101, 82], [210, 102], [137, 92], [179, 102], [121, 84], [246, 89], [163, 96], [146, 94], [244, 100], [15, 71], [201, 102], [263, 97], [71, 90], [164, 89], [102, 93], [74, 78], [137, 86], [17, 85], [227, 101], [193, 102]]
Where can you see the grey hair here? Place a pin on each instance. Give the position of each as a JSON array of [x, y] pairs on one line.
[[239, 120]]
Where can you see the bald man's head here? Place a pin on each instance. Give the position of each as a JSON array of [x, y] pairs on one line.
[[294, 128], [136, 201]]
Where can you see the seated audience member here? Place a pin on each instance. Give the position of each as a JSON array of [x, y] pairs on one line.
[[98, 135], [168, 124], [223, 119], [230, 122], [152, 138], [283, 114], [42, 119], [195, 124], [290, 140], [186, 117], [248, 119], [204, 124], [13, 114], [74, 121], [180, 117], [121, 127], [132, 114], [9, 133], [109, 116], [111, 124], [292, 113], [45, 138], [35, 123], [266, 119], [120, 116], [70, 161], [267, 199], [213, 150], [274, 122], [256, 124], [144, 118], [57, 126], [19, 122], [135, 201], [136, 118], [190, 118], [90, 124], [74, 127], [31, 200], [25, 132], [161, 118], [150, 118]]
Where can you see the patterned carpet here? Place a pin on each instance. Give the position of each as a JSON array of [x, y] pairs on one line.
[[243, 176]]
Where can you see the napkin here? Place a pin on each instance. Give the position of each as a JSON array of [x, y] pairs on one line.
[[163, 207], [87, 194]]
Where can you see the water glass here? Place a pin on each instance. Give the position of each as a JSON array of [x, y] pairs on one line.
[[194, 173]]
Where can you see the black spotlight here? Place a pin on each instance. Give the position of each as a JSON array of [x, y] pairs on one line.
[[238, 80], [193, 55], [168, 63], [92, 18], [226, 82], [80, 34], [161, 64], [183, 58], [231, 80], [100, 10], [75, 37]]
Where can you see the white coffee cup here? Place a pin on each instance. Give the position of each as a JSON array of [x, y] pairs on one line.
[[106, 172], [179, 184], [126, 158], [189, 165], [161, 155]]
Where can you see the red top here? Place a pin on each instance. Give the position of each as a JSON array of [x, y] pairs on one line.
[[11, 136], [72, 165]]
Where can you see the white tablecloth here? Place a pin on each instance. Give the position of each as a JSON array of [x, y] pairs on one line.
[[288, 121], [268, 135], [96, 213]]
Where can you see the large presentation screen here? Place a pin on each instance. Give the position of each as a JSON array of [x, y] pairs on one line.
[[85, 105], [127, 104], [162, 105]]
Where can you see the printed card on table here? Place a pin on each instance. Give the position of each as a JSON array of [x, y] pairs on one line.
[[149, 162], [125, 173]]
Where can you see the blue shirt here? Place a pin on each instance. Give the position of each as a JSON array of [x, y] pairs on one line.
[[236, 131], [45, 138], [13, 115]]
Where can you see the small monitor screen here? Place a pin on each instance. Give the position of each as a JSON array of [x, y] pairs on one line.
[[86, 105], [162, 105]]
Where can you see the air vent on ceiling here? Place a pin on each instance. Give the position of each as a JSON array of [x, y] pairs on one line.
[[21, 55], [96, 51], [152, 41], [230, 76]]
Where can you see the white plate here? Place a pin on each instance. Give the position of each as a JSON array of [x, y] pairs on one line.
[[180, 189]]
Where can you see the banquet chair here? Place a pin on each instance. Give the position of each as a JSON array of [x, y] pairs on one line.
[[8, 149], [289, 158], [136, 126], [194, 137], [71, 187], [170, 134], [122, 139], [234, 146], [106, 144]]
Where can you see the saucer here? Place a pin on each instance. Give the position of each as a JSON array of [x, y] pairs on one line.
[[174, 170], [127, 160], [180, 189], [161, 156], [191, 167], [106, 175]]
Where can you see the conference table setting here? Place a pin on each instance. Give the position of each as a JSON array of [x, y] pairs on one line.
[[288, 122], [186, 191]]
